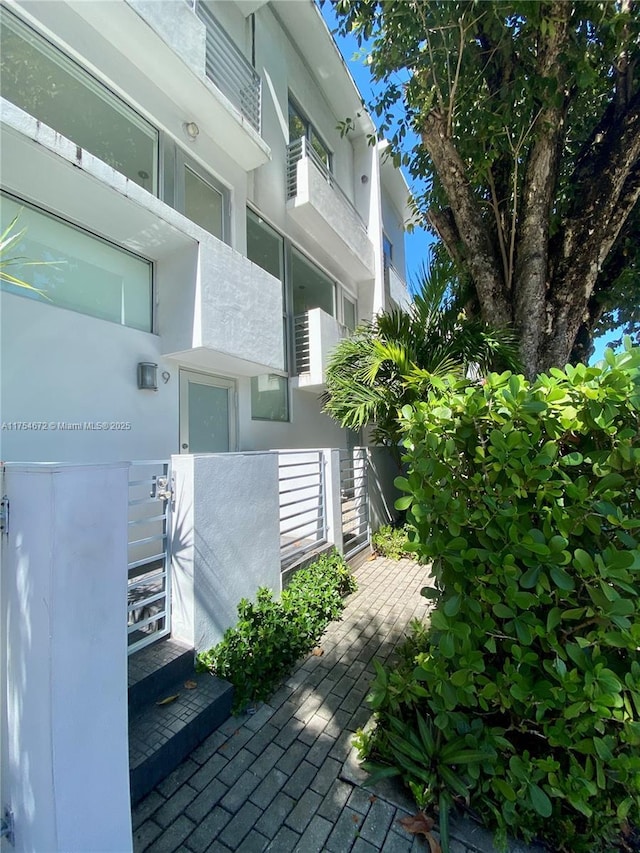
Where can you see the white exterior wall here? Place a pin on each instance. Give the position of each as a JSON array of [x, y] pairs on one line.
[[225, 540], [65, 761], [62, 367], [308, 427]]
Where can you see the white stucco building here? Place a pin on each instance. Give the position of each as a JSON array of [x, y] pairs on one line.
[[197, 235], [178, 167]]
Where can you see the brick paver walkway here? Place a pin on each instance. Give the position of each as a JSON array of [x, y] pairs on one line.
[[286, 778]]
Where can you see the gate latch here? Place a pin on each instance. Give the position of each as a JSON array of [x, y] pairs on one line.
[[4, 514], [162, 488]]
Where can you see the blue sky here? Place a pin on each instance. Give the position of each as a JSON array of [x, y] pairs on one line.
[[417, 243]]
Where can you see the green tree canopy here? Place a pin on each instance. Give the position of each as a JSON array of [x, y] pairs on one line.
[[527, 115]]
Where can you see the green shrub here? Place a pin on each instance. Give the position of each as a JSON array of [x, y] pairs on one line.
[[391, 542], [271, 636], [523, 696]]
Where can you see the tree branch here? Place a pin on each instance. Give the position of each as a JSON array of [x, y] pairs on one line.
[[444, 225], [482, 260]]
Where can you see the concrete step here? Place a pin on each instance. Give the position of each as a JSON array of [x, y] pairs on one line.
[[174, 709]]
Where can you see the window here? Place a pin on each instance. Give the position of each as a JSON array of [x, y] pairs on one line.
[[42, 81], [203, 203], [265, 247], [269, 398], [305, 287], [387, 250], [300, 127], [348, 312], [311, 287], [79, 271]]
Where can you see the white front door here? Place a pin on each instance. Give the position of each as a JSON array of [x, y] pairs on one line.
[[207, 413]]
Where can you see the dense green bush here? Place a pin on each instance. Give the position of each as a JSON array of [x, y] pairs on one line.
[[271, 636], [391, 542], [522, 698]]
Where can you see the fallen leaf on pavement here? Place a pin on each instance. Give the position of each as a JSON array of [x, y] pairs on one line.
[[421, 824], [167, 699], [318, 652], [191, 685]]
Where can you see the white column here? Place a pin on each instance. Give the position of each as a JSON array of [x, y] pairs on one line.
[[65, 762]]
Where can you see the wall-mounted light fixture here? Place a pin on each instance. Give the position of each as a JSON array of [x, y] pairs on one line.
[[147, 376], [191, 129]]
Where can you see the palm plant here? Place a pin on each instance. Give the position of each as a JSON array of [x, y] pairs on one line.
[[9, 239], [391, 361]]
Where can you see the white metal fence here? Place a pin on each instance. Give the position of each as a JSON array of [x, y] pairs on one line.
[[354, 497], [303, 519], [148, 569]]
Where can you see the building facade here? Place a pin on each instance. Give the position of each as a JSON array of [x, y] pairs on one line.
[[192, 219]]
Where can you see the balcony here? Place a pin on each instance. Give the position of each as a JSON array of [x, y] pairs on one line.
[[229, 69], [316, 336], [220, 311], [395, 287], [165, 55], [318, 204]]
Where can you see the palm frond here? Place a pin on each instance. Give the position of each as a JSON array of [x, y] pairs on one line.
[[398, 357]]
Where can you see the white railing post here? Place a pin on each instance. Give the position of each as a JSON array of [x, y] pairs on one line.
[[64, 728], [333, 502]]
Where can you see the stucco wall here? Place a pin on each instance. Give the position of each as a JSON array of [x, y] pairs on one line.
[[225, 540], [65, 763], [62, 367]]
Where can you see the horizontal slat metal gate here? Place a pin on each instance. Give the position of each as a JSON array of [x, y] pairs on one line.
[[354, 496], [149, 557], [303, 524]]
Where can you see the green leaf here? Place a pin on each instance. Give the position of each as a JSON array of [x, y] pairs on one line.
[[574, 458], [561, 579], [540, 801], [404, 502], [452, 605], [503, 612], [430, 592]]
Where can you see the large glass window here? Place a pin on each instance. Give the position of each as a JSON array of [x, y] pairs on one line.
[[300, 126], [311, 287], [203, 203], [269, 398], [265, 246], [42, 81], [348, 313], [73, 269]]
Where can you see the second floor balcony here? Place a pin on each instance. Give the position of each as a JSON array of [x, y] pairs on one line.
[[316, 336], [317, 203]]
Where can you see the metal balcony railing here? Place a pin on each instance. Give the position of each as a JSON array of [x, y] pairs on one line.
[[228, 68], [303, 348], [298, 150], [302, 339]]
